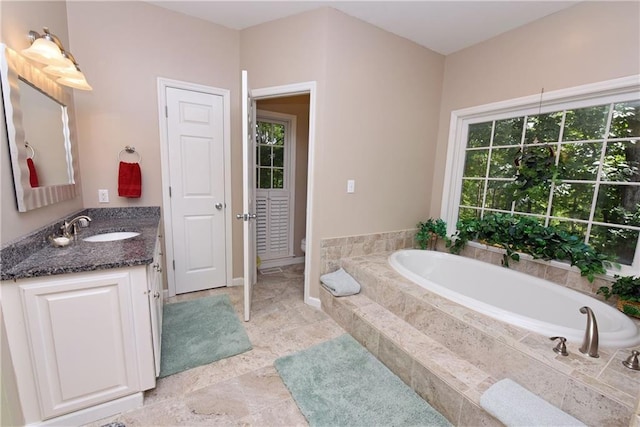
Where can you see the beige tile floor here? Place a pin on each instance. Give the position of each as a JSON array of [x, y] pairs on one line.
[[243, 390]]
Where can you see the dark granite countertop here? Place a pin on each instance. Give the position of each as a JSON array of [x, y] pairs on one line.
[[34, 256]]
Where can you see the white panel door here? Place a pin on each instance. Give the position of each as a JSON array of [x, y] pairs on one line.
[[196, 168], [81, 339], [248, 192]]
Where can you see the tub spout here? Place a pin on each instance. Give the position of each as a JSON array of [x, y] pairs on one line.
[[590, 342]]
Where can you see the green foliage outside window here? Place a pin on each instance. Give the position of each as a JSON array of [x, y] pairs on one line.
[[270, 155], [576, 169]]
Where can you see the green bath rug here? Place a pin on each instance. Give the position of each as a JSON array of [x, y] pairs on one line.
[[339, 383], [198, 332]]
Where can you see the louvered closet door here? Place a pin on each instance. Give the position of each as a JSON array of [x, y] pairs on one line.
[[273, 232]]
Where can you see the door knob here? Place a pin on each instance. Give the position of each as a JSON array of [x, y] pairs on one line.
[[219, 206]]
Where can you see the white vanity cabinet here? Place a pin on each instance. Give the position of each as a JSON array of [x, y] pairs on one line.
[[84, 344], [81, 339], [156, 300]]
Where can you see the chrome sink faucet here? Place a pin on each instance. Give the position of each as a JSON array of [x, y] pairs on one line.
[[69, 226], [590, 342]]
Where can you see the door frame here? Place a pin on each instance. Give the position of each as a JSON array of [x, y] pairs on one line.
[[163, 84], [290, 90], [290, 156]]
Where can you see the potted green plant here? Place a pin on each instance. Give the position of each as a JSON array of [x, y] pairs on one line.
[[429, 232], [627, 289], [522, 234]]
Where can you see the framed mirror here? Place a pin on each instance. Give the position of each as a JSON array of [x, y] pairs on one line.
[[40, 133]]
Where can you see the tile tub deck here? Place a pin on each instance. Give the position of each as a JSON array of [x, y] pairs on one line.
[[450, 355]]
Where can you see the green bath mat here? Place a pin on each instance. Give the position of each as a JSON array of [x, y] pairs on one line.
[[339, 383], [198, 332]]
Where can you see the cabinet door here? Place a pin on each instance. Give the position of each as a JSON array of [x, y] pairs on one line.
[[81, 340], [154, 275]]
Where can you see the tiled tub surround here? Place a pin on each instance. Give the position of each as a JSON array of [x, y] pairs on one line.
[[34, 256], [335, 249], [451, 355]]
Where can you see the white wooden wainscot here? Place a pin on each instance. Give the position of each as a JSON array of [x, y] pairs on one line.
[[84, 346]]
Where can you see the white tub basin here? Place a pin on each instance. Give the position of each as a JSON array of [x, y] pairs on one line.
[[110, 237]]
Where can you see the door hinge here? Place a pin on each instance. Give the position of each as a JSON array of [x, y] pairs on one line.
[[174, 264], [169, 191], [166, 111]]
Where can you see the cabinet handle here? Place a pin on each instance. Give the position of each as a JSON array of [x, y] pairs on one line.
[[157, 267], [156, 295]]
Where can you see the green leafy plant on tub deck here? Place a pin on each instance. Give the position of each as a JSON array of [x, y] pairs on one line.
[[526, 235], [429, 232], [627, 289]]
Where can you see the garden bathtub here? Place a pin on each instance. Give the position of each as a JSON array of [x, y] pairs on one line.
[[513, 297]]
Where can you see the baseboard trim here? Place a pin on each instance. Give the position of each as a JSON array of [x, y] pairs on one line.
[[313, 302], [281, 262], [237, 281], [95, 413]]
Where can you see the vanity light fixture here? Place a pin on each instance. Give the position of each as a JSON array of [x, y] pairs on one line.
[[45, 49], [70, 75], [75, 82], [66, 68], [48, 49]]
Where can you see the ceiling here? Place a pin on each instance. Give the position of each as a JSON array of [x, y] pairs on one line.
[[444, 26]]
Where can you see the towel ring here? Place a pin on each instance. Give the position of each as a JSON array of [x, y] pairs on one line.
[[129, 149], [33, 152]]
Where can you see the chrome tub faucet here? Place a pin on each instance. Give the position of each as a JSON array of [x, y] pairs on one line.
[[590, 342]]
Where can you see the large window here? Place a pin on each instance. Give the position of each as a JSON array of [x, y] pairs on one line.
[[586, 158]]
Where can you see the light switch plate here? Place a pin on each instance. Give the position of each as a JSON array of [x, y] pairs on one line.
[[351, 186]]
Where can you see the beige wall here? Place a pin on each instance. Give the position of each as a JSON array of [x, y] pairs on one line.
[[297, 106], [589, 42], [380, 116], [382, 97], [301, 58], [16, 19], [378, 97], [123, 47]]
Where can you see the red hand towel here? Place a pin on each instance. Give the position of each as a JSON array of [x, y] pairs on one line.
[[129, 180], [33, 175]]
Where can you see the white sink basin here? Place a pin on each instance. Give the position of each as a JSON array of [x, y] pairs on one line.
[[110, 237]]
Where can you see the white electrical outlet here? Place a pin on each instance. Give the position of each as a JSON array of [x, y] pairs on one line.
[[351, 186], [103, 196]]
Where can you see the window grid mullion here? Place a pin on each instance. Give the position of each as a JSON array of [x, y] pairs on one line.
[[271, 165], [521, 146], [547, 219], [596, 188], [486, 171]]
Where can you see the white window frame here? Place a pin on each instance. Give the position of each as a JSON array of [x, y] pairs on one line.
[[290, 123], [616, 90]]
